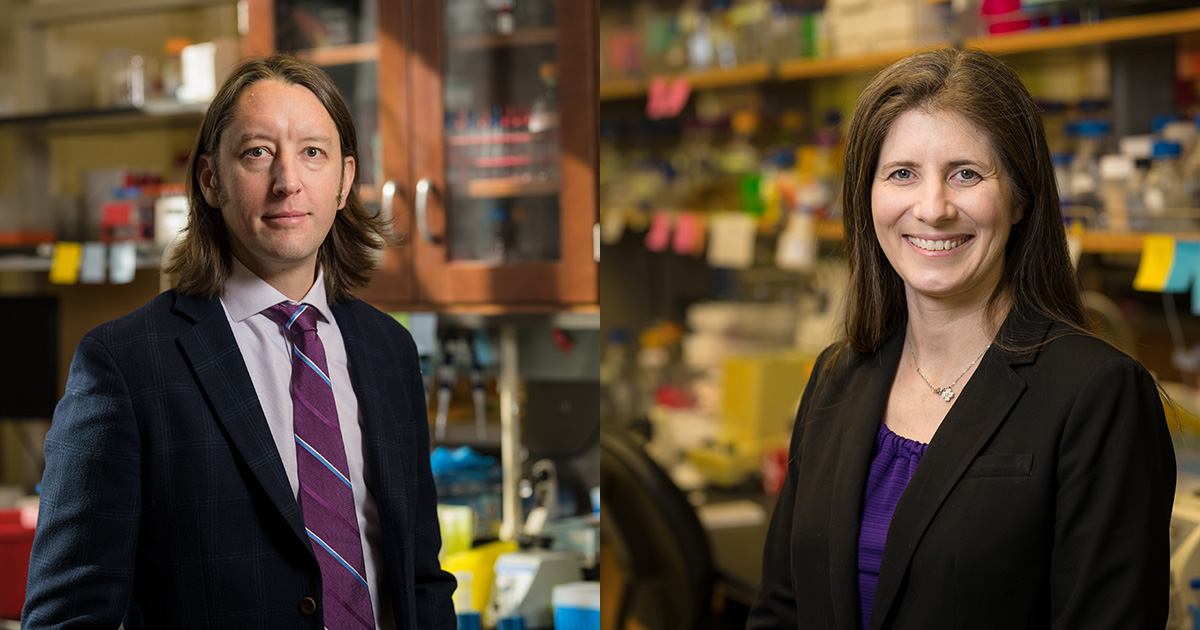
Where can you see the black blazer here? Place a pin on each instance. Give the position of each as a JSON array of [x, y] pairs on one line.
[[1043, 500], [165, 503]]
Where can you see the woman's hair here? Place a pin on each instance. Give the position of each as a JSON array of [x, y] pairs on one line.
[[202, 260], [1038, 275]]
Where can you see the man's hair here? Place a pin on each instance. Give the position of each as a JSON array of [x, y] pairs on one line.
[[1038, 274], [202, 260]]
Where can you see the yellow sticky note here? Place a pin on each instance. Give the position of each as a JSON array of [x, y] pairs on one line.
[[1155, 266], [64, 269]]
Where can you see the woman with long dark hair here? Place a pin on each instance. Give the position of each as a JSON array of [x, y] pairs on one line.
[[968, 455]]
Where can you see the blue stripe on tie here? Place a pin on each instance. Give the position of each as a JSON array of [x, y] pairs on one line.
[[312, 365], [303, 307], [321, 458], [337, 557]]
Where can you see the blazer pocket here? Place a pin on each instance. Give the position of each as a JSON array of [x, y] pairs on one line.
[[1015, 465]]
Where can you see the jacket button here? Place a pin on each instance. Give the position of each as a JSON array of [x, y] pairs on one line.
[[308, 606]]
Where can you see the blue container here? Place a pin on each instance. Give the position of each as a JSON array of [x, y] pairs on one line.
[[469, 621], [576, 606]]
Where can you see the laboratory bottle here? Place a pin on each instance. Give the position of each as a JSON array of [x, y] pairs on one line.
[[620, 395], [1135, 187], [695, 162], [1164, 190], [696, 26], [741, 163], [1191, 171], [1084, 174], [1062, 175], [543, 125], [1116, 170]]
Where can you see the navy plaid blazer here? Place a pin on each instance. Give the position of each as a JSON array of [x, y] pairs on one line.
[[165, 503]]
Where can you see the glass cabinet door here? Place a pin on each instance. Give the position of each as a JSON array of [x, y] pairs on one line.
[[507, 82], [356, 42], [501, 131], [477, 129], [341, 36]]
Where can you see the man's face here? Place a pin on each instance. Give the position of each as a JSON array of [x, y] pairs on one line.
[[278, 178]]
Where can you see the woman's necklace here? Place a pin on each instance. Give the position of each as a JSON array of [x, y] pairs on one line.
[[947, 392]]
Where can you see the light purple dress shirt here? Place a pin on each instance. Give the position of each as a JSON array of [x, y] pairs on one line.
[[268, 355]]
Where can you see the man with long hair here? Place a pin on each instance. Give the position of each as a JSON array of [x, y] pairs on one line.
[[250, 449]]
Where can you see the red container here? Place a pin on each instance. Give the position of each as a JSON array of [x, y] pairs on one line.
[[16, 542]]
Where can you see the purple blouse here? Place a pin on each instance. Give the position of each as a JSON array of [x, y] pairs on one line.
[[894, 461]]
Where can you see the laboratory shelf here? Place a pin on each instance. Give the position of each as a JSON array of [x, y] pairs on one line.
[[1065, 37], [1103, 32]]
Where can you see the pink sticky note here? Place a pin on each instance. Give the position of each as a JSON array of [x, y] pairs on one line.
[[659, 234], [666, 99], [687, 230]]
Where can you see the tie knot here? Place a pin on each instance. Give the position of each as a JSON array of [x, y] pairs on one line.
[[296, 318]]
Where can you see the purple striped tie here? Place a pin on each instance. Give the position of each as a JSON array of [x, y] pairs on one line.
[[326, 497]]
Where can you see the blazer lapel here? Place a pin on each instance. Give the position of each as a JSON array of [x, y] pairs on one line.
[[865, 395], [372, 395], [212, 351], [975, 417]]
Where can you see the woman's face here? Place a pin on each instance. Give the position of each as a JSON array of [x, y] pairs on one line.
[[942, 208]]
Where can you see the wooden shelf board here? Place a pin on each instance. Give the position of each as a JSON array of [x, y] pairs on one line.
[[489, 41], [491, 188], [99, 120], [1075, 35], [364, 52], [747, 74], [813, 68], [617, 89], [90, 9], [829, 230]]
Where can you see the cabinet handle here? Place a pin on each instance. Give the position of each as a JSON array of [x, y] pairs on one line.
[[422, 200], [386, 199]]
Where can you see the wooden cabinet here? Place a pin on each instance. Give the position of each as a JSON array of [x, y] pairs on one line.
[[477, 125]]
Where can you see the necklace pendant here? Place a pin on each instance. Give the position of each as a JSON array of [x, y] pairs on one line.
[[946, 393]]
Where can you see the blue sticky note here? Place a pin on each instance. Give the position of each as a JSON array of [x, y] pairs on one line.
[[1185, 266], [1196, 294]]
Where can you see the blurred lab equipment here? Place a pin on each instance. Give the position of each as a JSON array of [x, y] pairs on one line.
[[524, 583], [1185, 555]]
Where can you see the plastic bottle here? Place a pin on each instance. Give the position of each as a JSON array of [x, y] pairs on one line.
[[1164, 187], [1115, 172], [619, 391], [1136, 186], [1191, 171], [1085, 166], [172, 66], [468, 618], [1062, 174], [696, 26], [543, 125], [741, 162]]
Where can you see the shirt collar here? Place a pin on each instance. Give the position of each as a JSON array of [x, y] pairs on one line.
[[246, 294]]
